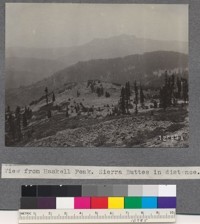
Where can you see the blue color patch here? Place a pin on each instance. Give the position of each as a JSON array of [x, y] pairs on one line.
[[149, 202]]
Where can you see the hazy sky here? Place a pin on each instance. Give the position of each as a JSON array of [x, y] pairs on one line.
[[45, 25]]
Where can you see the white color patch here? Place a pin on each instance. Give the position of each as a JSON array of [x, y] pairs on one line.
[[65, 203], [167, 191]]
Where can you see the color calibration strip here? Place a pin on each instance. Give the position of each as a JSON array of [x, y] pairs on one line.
[[99, 197]]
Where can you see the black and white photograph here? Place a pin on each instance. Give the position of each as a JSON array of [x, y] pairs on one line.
[[96, 75]]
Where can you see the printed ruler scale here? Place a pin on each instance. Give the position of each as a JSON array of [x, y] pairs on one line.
[[97, 216]]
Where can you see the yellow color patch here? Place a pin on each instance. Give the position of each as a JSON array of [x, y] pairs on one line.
[[115, 202]]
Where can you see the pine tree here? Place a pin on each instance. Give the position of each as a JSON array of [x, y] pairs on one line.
[[18, 123], [127, 96], [122, 101], [173, 101], [30, 113], [173, 81], [53, 97], [166, 78], [11, 124], [17, 111], [24, 120], [136, 97], [178, 83], [8, 109], [46, 95], [107, 94], [49, 113], [18, 127], [98, 91], [167, 91], [141, 96], [78, 93], [163, 97], [101, 90], [92, 86], [185, 90]]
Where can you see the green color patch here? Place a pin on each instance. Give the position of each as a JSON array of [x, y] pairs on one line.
[[133, 202]]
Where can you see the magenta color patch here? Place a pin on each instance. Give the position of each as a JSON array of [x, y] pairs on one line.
[[82, 202]]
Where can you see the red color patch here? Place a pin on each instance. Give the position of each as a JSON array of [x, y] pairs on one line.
[[99, 202]]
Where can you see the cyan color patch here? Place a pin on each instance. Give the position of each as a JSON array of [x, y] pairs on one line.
[[149, 202]]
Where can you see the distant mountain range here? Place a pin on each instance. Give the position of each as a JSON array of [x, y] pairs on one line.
[[25, 66], [26, 71], [141, 67]]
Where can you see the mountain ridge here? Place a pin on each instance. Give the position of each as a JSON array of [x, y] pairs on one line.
[[99, 48], [140, 67]]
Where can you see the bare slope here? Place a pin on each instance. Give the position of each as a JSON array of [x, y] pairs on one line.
[[99, 127]]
